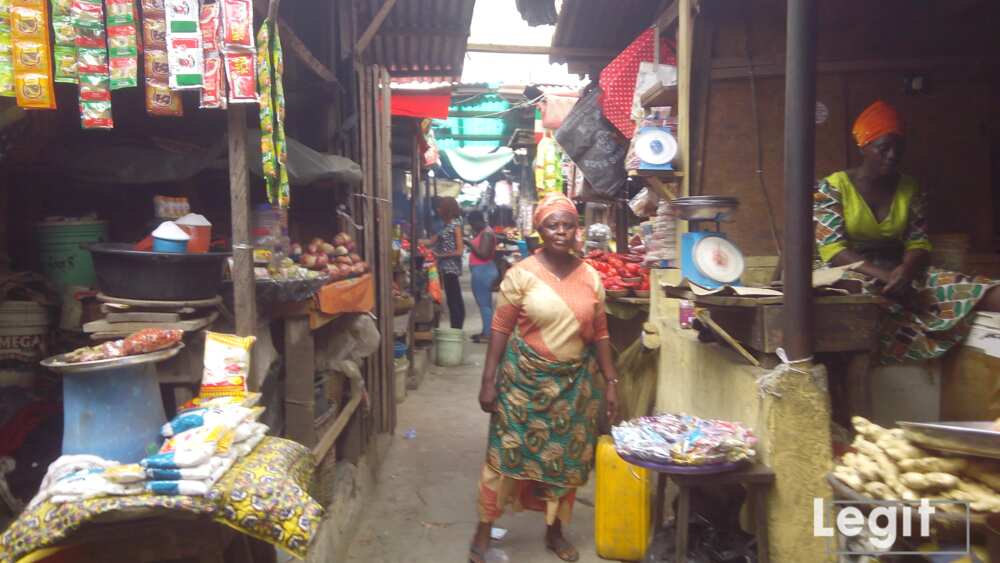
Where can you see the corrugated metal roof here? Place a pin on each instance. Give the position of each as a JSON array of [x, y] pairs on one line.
[[600, 24], [420, 38]]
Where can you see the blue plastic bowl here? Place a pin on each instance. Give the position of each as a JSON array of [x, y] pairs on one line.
[[174, 246]]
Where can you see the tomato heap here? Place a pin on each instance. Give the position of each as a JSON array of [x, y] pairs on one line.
[[615, 269]]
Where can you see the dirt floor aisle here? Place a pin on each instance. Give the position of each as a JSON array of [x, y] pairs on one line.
[[425, 503]]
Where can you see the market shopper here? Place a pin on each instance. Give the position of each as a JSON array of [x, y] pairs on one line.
[[549, 337], [449, 246], [484, 270], [875, 215]]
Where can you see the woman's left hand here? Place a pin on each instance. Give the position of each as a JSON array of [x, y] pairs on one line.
[[611, 397], [899, 281]]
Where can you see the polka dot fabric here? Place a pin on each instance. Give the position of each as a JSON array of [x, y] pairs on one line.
[[618, 79]]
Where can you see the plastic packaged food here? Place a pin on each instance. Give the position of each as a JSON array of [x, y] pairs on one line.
[[31, 63], [237, 25], [150, 340], [6, 51], [64, 39], [186, 62], [184, 50], [154, 30], [123, 44], [213, 93], [240, 77], [227, 365], [684, 440]]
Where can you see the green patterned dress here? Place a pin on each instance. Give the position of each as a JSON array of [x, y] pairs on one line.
[[937, 316]]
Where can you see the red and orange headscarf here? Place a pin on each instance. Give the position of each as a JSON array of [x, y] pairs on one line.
[[879, 119], [553, 203]]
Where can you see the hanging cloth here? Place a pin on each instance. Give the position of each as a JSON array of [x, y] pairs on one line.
[[271, 95], [618, 79]]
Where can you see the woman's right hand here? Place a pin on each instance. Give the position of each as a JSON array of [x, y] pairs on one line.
[[488, 396]]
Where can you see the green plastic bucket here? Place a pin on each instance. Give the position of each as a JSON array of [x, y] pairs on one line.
[[449, 347], [63, 258]]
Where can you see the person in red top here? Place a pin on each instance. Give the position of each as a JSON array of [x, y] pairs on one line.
[[484, 270]]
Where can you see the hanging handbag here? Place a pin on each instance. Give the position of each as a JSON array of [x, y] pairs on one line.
[[596, 147]]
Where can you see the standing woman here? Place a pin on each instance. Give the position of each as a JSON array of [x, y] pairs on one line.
[[484, 270], [549, 337], [448, 247]]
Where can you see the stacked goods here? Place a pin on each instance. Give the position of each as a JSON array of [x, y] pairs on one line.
[[338, 259], [682, 439], [886, 466], [660, 235]]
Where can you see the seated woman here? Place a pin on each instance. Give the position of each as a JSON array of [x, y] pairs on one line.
[[875, 215]]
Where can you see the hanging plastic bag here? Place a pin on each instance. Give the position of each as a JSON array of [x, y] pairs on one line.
[[594, 145], [644, 203]]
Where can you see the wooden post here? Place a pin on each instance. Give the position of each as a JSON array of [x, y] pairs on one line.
[[300, 372], [244, 288], [684, 37], [384, 207]]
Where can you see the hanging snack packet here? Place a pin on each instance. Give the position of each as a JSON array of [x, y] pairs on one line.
[[6, 51], [123, 44], [32, 65], [240, 70], [154, 30], [237, 25], [250, 400], [227, 365]]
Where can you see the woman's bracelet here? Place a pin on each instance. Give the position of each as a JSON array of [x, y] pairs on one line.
[[612, 381]]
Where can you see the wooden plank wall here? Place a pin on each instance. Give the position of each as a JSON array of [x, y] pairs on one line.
[[950, 129]]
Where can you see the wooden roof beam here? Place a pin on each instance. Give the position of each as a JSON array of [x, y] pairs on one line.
[[376, 23], [292, 42], [569, 52]]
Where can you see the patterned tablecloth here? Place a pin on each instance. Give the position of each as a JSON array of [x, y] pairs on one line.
[[265, 495]]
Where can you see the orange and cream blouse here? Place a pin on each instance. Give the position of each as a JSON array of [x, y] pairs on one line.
[[557, 318]]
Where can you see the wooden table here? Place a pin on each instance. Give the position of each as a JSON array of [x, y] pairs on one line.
[[756, 478]]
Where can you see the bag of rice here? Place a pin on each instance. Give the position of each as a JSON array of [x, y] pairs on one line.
[[227, 365]]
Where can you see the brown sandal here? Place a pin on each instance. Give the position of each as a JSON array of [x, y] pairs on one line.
[[566, 551]]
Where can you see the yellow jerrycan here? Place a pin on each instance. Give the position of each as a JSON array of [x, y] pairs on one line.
[[622, 506]]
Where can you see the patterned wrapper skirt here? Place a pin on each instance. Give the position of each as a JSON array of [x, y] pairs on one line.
[[542, 437], [937, 317]]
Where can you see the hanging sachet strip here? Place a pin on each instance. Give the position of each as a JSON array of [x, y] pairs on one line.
[[64, 37], [184, 53], [213, 93], [160, 99], [32, 61], [6, 52], [238, 51], [273, 149], [123, 44], [92, 64]]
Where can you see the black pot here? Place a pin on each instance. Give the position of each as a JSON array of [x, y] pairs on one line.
[[156, 276]]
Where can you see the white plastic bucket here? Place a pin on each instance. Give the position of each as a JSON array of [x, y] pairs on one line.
[[449, 347], [24, 331]]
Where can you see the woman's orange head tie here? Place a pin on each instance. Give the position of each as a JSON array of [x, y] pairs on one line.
[[553, 203], [879, 119]]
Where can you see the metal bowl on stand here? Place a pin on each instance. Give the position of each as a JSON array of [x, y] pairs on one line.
[[705, 208]]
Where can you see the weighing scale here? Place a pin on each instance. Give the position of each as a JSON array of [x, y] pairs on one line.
[[655, 147], [708, 258]]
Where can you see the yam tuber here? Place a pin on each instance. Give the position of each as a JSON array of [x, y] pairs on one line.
[[953, 465], [850, 477], [879, 490], [929, 482]]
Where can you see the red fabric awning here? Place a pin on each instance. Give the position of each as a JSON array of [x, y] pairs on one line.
[[421, 104]]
